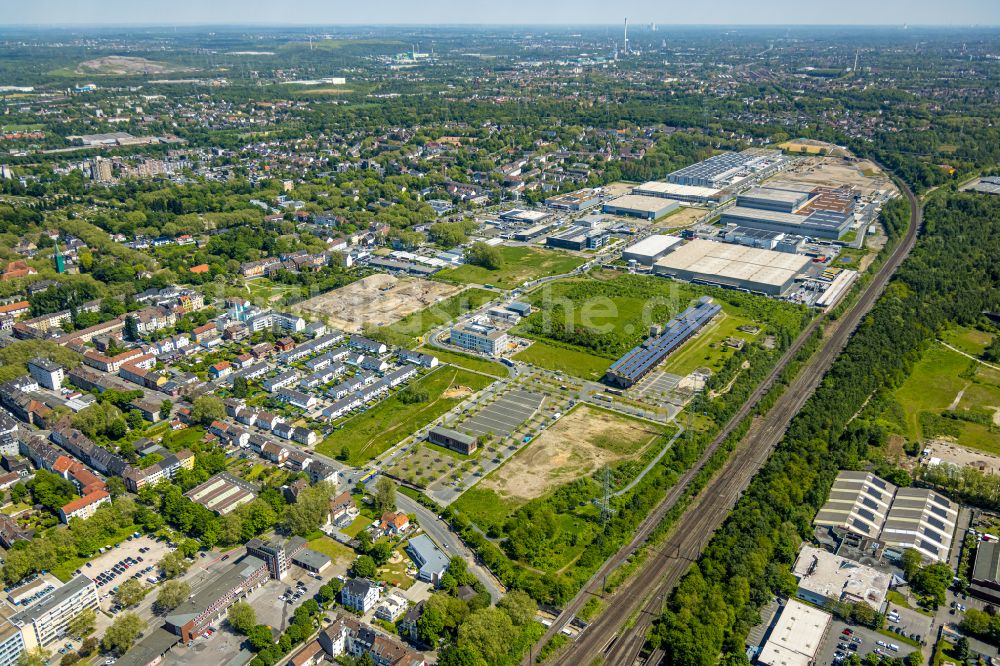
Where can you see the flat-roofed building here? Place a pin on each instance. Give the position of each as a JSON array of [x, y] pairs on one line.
[[765, 198], [209, 604], [814, 223], [688, 193], [826, 578], [796, 637], [47, 373], [637, 205], [525, 216], [577, 238], [750, 269], [452, 439], [479, 337], [47, 619], [731, 170], [648, 250], [579, 200], [11, 638]]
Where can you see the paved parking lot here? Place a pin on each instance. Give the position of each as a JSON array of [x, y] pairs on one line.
[[911, 622], [658, 383], [104, 564], [274, 611], [869, 643], [505, 414]]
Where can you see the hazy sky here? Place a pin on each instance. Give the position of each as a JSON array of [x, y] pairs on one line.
[[339, 12]]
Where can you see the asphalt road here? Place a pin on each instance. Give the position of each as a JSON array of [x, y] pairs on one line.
[[643, 595], [441, 534]]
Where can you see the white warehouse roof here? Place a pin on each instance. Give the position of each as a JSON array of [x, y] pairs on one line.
[[653, 246], [796, 637]]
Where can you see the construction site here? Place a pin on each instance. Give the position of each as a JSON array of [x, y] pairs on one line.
[[377, 300]]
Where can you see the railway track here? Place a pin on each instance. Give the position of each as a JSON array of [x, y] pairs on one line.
[[639, 601]]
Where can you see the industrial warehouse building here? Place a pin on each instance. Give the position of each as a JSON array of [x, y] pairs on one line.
[[900, 518], [750, 269], [766, 240], [796, 637], [648, 250], [646, 208], [688, 193], [525, 216], [818, 224], [985, 580], [820, 212], [764, 198], [730, 170]]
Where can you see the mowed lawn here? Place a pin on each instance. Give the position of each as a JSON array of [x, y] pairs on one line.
[[474, 363], [573, 362], [370, 433], [520, 264], [337, 552]]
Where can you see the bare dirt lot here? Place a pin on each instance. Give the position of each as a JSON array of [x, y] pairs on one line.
[[682, 218], [835, 171], [577, 445], [124, 65], [377, 300], [953, 453], [618, 189]]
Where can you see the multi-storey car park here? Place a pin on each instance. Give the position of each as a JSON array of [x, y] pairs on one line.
[[637, 363]]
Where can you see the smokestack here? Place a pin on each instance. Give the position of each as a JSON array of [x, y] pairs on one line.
[[626, 36]]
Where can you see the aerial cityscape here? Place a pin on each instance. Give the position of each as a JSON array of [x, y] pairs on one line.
[[486, 336]]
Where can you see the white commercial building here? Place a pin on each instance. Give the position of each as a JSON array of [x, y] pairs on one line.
[[46, 620], [825, 578], [648, 250], [796, 636], [480, 337]]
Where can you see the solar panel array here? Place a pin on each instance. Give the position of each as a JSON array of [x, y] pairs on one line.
[[631, 367]]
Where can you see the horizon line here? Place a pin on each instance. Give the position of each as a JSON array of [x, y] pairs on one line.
[[640, 26]]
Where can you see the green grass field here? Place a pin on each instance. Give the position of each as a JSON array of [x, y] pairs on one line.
[[367, 435], [356, 527], [589, 320], [943, 382], [707, 349], [564, 359], [520, 265], [337, 552], [467, 361], [408, 331], [969, 340]]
